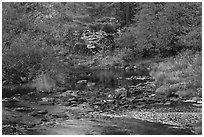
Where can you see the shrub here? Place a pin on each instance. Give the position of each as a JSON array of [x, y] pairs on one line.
[[180, 75], [25, 59]]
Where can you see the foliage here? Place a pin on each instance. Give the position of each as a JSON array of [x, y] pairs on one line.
[[180, 75], [30, 42], [40, 38], [164, 28]]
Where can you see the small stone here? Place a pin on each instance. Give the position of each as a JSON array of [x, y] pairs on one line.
[[189, 101], [21, 109], [199, 102], [90, 84], [158, 103], [42, 112], [44, 119], [72, 99], [34, 113], [73, 105], [167, 103], [30, 125], [197, 105], [67, 104], [82, 82], [120, 92]]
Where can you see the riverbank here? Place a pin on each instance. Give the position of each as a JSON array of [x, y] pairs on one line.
[[111, 61], [41, 118], [96, 103]]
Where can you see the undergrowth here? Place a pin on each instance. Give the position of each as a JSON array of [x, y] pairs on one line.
[[180, 75]]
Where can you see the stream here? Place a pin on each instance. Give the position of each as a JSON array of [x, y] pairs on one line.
[[91, 104]]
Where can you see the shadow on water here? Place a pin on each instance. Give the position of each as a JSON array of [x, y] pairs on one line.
[[101, 78], [113, 78], [131, 126]]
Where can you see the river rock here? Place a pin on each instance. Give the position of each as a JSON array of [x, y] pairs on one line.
[[15, 99], [30, 124], [91, 84], [120, 92], [73, 105], [167, 103], [44, 119], [42, 112], [197, 105], [81, 82], [69, 93], [72, 100], [82, 100], [35, 113], [23, 109], [128, 68], [99, 103]]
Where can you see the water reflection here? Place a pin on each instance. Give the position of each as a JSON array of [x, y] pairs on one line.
[[115, 78]]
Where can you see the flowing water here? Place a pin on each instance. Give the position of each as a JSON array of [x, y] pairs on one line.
[[92, 79]]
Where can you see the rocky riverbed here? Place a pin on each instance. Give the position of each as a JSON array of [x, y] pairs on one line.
[[96, 107]]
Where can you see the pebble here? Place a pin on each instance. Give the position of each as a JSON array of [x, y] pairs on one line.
[[167, 103]]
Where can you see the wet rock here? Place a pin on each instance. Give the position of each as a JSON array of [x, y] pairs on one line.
[[81, 82], [72, 100], [41, 112], [45, 119], [151, 95], [69, 93], [120, 92], [167, 103], [15, 99], [73, 105], [158, 103], [189, 101], [140, 100], [197, 105], [46, 101], [98, 103], [91, 84], [30, 124], [140, 106], [96, 107], [128, 68], [24, 109], [199, 102], [67, 104], [134, 67], [82, 100]]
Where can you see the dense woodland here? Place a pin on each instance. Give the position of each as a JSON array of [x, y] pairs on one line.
[[43, 38]]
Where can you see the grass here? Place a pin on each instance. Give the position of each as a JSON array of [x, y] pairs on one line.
[[180, 75]]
